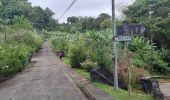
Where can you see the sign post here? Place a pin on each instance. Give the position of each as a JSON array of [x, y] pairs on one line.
[[124, 34], [123, 38]]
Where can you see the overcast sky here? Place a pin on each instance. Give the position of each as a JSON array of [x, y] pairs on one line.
[[80, 8]]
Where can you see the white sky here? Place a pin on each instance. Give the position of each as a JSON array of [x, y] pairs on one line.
[[80, 8]]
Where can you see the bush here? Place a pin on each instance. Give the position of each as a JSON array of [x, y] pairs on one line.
[[136, 74], [13, 58], [103, 56], [18, 23], [21, 43], [99, 48], [77, 52], [15, 54], [27, 37], [88, 65], [59, 44], [144, 55]]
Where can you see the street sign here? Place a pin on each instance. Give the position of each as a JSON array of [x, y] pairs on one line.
[[123, 38], [129, 29]]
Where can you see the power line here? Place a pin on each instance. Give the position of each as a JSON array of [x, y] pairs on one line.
[[72, 3]]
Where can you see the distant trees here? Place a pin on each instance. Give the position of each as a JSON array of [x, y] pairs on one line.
[[155, 15], [72, 19], [21, 23], [102, 17], [87, 23], [107, 23], [41, 18]]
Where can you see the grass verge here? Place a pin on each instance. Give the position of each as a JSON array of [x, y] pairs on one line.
[[83, 73], [118, 95], [122, 94], [66, 60]]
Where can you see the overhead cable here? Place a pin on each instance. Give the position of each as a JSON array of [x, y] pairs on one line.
[[72, 3]]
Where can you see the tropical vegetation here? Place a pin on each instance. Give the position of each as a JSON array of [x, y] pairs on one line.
[[87, 42]]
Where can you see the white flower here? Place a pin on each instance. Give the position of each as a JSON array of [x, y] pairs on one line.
[[6, 66]]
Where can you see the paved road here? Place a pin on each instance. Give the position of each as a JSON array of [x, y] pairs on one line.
[[165, 89], [44, 80]]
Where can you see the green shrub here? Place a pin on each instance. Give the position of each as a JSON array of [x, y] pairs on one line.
[[145, 55], [59, 44], [88, 65], [141, 44], [103, 57], [21, 43], [77, 52], [99, 47], [15, 54], [13, 58], [90, 45], [18, 23], [27, 37]]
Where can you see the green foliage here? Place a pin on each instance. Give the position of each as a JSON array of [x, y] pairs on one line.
[[102, 19], [99, 49], [147, 8], [88, 65], [154, 14], [13, 58], [146, 56], [29, 38], [165, 54], [59, 44], [107, 23], [97, 46], [103, 57], [40, 18], [21, 23], [82, 24], [72, 19], [141, 44], [90, 45], [21, 43], [15, 55], [77, 52]]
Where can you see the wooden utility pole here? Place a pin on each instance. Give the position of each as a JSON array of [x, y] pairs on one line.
[[114, 46]]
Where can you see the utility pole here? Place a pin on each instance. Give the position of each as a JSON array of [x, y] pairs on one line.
[[6, 21], [114, 47]]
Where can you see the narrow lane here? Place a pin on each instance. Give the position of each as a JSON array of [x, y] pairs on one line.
[[46, 79]]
